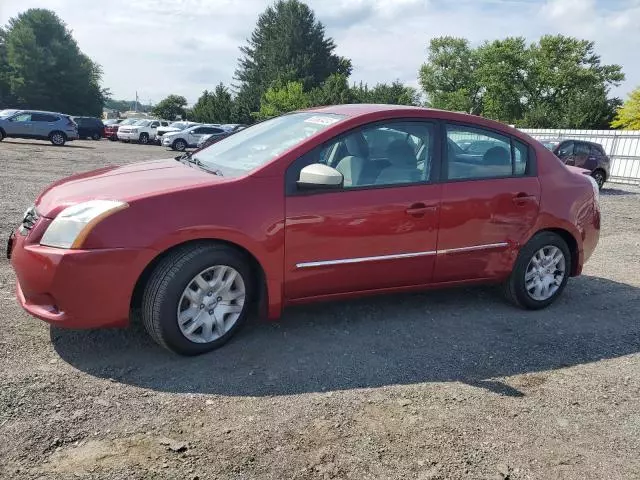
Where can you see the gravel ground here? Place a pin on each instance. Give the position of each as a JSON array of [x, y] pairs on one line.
[[439, 385]]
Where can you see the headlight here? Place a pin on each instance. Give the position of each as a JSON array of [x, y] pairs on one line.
[[134, 130], [596, 189], [70, 228]]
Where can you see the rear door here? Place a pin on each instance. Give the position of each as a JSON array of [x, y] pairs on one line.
[[581, 155], [489, 205], [43, 124]]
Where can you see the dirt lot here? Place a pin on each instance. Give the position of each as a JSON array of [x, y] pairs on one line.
[[453, 384]]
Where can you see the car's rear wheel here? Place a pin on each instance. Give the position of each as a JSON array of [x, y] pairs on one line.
[[96, 136], [197, 298], [600, 177], [144, 138], [540, 273], [179, 145], [57, 138], [1, 135]]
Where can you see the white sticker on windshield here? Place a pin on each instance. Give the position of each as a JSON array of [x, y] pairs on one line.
[[320, 120]]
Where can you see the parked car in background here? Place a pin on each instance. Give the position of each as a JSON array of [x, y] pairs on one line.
[[189, 138], [347, 223], [479, 147], [212, 138], [89, 127], [588, 155], [142, 131], [58, 128], [111, 128], [173, 127], [550, 143]]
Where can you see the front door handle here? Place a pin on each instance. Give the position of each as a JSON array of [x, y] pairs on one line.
[[419, 209], [523, 198]]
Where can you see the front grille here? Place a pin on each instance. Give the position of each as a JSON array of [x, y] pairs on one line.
[[29, 220]]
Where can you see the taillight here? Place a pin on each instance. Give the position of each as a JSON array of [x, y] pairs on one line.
[[71, 123]]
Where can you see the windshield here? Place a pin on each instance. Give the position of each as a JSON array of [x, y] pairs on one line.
[[180, 125], [7, 113], [129, 121], [142, 123], [257, 145]]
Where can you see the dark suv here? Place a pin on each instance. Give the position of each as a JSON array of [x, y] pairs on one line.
[[90, 127], [588, 155]]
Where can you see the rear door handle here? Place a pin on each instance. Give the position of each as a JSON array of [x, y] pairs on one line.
[[523, 198], [419, 209]]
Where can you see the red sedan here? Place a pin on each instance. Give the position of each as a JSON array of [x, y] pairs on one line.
[[328, 203]]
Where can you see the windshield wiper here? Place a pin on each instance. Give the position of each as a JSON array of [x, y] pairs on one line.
[[198, 163]]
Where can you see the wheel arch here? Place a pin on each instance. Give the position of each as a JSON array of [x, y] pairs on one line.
[[258, 272]]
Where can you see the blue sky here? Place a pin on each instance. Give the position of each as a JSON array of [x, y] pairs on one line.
[[158, 47]]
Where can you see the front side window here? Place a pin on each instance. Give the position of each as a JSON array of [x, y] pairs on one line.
[[23, 117], [383, 154], [492, 158], [257, 145]]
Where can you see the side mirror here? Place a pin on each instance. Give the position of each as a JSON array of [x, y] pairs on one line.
[[320, 176]]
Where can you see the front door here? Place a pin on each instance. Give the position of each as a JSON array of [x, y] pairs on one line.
[[380, 229], [488, 206], [20, 125]]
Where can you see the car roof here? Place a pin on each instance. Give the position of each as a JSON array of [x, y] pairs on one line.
[[41, 111]]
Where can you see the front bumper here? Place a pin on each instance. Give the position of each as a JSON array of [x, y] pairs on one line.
[[76, 288], [167, 141]]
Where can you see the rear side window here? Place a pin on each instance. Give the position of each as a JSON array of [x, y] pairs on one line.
[[43, 117], [492, 155], [582, 149]]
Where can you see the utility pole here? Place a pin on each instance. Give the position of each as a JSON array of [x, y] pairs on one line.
[[136, 107]]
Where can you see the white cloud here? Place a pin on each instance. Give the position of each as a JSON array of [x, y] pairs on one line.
[[158, 47]]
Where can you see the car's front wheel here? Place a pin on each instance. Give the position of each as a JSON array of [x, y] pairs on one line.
[[144, 138], [1, 135], [540, 273], [197, 298], [179, 145], [57, 138]]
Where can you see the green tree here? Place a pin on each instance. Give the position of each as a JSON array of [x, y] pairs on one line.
[[46, 69], [170, 108], [449, 77], [287, 45], [394, 93], [5, 94], [214, 107], [125, 105], [333, 91], [282, 99], [628, 115], [558, 82]]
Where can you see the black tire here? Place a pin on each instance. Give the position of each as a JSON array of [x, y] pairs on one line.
[[144, 138], [179, 145], [600, 177], [113, 138], [514, 287], [96, 136], [169, 280], [57, 138], [2, 135]]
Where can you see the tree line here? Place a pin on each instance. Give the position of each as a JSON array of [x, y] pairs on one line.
[[290, 63]]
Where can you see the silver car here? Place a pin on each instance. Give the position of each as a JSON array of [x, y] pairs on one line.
[[58, 128]]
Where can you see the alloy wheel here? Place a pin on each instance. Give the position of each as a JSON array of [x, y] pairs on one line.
[[545, 272], [211, 304], [599, 178], [57, 139]]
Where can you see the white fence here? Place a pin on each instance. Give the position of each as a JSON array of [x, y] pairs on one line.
[[622, 146]]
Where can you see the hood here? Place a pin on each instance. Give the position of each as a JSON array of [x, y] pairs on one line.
[[125, 183]]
